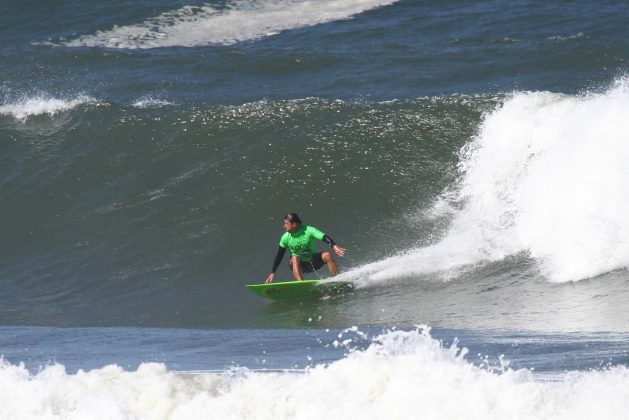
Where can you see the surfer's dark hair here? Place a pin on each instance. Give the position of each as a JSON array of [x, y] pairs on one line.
[[293, 217]]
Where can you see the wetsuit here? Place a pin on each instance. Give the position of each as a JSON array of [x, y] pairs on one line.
[[303, 244]]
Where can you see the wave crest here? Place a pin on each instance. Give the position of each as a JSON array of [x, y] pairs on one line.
[[26, 107], [241, 21], [546, 176]]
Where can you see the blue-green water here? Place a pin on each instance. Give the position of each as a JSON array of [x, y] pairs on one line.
[[471, 156]]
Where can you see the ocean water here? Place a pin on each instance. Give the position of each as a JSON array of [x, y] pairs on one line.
[[471, 156]]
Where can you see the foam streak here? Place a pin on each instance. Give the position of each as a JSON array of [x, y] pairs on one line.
[[240, 21], [40, 105]]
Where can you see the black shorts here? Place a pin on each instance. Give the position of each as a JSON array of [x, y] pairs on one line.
[[309, 266]]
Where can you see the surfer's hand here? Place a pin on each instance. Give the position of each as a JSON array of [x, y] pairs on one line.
[[270, 278], [339, 251]]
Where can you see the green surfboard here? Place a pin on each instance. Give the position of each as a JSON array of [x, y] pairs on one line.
[[301, 289]]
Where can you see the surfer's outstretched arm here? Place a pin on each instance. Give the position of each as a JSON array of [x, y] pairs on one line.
[[276, 263]]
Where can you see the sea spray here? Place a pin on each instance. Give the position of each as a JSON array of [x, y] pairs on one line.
[[41, 104], [546, 176], [401, 374]]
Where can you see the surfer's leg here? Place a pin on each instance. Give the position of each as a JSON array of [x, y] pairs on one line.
[[329, 260], [296, 266]]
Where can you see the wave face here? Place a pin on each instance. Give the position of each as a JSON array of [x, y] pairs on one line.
[[470, 156], [239, 21], [408, 373], [544, 176], [120, 201], [131, 208]]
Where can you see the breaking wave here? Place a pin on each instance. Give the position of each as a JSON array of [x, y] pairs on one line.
[[545, 176], [239, 21], [26, 107], [401, 374]]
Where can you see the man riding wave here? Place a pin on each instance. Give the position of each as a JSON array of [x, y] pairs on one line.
[[301, 240]]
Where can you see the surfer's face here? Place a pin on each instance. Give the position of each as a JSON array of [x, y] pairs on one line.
[[290, 226]]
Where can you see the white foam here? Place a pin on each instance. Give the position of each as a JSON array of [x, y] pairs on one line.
[[546, 175], [401, 375], [239, 21], [559, 38], [151, 102], [26, 107]]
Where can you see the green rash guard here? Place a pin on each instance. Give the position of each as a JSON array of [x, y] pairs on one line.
[[303, 242]]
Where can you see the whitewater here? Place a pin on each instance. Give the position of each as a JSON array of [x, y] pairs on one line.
[[543, 176], [401, 374], [42, 104], [239, 21]]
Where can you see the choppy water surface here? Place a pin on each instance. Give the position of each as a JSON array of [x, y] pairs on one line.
[[471, 157]]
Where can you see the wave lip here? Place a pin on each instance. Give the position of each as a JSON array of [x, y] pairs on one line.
[[42, 105], [241, 21]]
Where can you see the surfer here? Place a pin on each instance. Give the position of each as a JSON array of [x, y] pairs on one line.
[[303, 249]]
